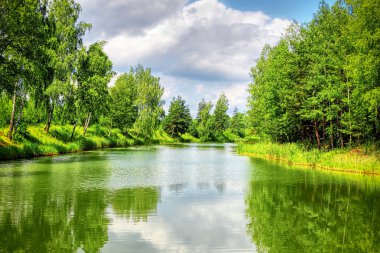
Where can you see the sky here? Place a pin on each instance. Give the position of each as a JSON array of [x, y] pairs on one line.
[[198, 48]]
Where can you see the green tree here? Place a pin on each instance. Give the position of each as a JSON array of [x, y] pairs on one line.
[[179, 118], [319, 84], [204, 120], [65, 39], [94, 74], [123, 107], [274, 93], [148, 102], [22, 43], [237, 124], [221, 118], [363, 68]]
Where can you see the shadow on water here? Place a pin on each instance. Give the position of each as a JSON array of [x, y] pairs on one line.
[[308, 211]]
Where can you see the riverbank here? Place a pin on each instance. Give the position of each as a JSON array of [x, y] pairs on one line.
[[35, 142], [363, 160]]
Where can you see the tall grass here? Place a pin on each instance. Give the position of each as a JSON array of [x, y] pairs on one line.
[[361, 160], [36, 142]]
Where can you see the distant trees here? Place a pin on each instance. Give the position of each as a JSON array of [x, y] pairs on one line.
[[217, 125], [318, 84]]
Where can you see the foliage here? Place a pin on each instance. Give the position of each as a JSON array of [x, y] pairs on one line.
[[318, 85], [94, 73], [237, 124], [204, 121], [220, 118], [123, 94], [179, 118], [148, 102]]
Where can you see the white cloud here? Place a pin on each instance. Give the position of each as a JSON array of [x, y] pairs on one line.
[[201, 44]]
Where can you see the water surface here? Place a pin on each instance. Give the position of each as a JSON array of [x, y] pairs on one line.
[[182, 198]]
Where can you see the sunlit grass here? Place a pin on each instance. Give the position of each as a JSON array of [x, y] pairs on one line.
[[186, 137], [36, 142], [361, 159]]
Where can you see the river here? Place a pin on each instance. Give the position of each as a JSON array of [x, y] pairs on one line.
[[182, 198]]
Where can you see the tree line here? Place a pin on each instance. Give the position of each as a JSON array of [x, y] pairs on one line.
[[47, 76], [320, 84]]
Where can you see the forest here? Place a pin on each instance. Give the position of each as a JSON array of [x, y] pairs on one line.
[[50, 80], [319, 87]]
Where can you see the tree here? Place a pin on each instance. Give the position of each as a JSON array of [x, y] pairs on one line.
[[94, 73], [148, 102], [179, 118], [363, 68], [274, 93], [320, 83], [122, 107], [237, 124], [66, 34], [22, 43], [221, 117], [204, 120]]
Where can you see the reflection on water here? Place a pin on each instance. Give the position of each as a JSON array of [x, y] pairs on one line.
[[306, 211], [185, 198], [135, 203], [146, 199]]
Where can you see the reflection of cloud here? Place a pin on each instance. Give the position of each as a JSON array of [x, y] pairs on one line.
[[194, 223]]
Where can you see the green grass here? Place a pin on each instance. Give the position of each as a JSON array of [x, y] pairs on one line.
[[161, 137], [186, 137], [362, 159], [36, 142]]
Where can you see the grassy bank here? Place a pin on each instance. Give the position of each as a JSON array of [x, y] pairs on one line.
[[36, 142], [359, 160]]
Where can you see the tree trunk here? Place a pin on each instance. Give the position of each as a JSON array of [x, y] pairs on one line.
[[73, 133], [11, 125], [20, 113], [87, 124], [50, 116], [317, 135]]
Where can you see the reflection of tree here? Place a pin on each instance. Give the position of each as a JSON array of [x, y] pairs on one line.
[[65, 219], [52, 214], [135, 203], [89, 220], [312, 217]]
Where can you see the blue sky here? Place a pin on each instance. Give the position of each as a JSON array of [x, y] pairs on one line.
[[300, 10], [199, 48]]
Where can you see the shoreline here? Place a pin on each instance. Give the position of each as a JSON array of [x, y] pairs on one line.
[[309, 165], [38, 143], [340, 160]]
